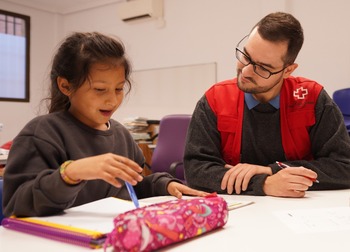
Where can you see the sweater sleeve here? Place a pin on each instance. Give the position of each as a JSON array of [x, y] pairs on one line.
[[330, 147], [203, 162], [32, 184]]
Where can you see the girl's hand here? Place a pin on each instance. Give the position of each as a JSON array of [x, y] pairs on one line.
[[107, 167], [177, 189]]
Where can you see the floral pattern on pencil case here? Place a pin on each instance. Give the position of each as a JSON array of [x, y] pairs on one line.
[[158, 225]]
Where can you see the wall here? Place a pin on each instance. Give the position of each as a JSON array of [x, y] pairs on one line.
[[195, 32], [174, 90], [325, 55], [14, 115]]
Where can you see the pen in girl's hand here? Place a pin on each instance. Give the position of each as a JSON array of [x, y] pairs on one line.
[[132, 194], [282, 166]]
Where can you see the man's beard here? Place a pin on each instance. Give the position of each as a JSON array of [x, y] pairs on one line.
[[255, 89]]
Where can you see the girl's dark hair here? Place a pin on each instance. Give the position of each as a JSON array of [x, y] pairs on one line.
[[280, 27], [73, 61]]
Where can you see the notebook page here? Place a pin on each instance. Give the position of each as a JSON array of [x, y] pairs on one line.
[[95, 216]]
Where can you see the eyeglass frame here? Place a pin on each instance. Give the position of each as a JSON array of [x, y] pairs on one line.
[[254, 64]]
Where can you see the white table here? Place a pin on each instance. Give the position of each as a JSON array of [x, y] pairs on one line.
[[252, 228]]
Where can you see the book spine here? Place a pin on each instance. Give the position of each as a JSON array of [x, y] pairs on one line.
[[49, 232]]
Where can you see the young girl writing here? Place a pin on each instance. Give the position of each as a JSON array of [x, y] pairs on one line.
[[77, 154]]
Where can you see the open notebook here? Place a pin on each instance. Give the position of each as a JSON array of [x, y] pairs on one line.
[[86, 225]]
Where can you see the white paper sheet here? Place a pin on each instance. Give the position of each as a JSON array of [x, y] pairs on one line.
[[95, 216], [316, 220]]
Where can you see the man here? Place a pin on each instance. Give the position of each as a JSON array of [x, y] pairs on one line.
[[242, 129]]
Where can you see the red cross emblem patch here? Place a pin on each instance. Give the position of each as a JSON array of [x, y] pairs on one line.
[[300, 93]]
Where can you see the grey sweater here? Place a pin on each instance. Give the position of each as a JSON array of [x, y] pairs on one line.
[[262, 145], [32, 182]]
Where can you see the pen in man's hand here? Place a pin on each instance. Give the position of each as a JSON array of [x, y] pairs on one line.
[[132, 194], [282, 166]]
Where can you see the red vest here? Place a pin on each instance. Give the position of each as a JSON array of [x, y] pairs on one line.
[[298, 98]]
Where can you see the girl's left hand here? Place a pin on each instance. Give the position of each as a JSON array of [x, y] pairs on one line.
[[177, 189]]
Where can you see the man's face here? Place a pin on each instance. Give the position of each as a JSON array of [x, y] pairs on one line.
[[265, 56]]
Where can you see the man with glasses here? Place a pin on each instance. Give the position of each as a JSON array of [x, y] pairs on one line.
[[267, 132]]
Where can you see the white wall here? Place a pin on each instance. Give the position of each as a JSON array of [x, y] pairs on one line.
[[325, 56], [195, 32], [43, 30]]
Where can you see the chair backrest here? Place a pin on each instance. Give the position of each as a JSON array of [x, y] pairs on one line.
[[1, 215], [342, 98], [170, 146]]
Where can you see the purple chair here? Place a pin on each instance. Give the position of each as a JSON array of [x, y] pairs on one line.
[[342, 98], [169, 152]]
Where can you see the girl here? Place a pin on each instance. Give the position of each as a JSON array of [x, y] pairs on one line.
[[77, 154]]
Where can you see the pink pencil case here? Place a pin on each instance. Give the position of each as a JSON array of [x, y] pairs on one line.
[[155, 226]]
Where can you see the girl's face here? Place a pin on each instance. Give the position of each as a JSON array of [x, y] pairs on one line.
[[100, 96]]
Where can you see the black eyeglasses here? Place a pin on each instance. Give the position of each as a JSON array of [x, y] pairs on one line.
[[258, 69]]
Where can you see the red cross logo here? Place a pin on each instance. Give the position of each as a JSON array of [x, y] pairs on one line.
[[300, 93]]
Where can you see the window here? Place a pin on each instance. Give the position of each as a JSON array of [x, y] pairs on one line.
[[14, 55]]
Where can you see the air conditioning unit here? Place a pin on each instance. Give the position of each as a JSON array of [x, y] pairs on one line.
[[139, 9]]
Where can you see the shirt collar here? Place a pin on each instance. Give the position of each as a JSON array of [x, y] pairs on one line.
[[251, 102]]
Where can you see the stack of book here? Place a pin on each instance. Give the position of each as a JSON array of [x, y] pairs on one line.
[[138, 128]]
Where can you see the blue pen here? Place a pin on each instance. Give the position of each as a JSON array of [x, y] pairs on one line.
[[132, 194]]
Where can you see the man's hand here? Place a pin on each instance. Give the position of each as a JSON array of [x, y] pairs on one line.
[[289, 182], [237, 178]]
